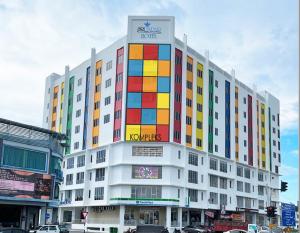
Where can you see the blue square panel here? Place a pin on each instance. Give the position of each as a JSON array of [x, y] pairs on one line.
[[164, 52], [134, 100], [149, 116], [163, 84], [135, 67]]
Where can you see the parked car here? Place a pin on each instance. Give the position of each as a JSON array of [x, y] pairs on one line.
[[236, 231], [12, 230], [264, 229], [194, 229], [53, 229], [34, 229]]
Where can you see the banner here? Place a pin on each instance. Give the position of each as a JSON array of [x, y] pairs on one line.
[[23, 184]]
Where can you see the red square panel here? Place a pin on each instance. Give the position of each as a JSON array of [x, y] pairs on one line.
[[149, 100], [133, 116], [162, 131], [135, 84], [150, 52]]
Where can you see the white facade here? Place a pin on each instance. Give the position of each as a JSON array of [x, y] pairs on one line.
[[173, 202]]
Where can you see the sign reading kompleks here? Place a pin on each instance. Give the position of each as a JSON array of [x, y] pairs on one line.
[[150, 29]]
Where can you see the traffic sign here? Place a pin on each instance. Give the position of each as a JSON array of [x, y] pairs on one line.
[[84, 214], [288, 214], [47, 215]]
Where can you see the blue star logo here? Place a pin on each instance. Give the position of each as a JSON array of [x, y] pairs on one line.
[[147, 24]]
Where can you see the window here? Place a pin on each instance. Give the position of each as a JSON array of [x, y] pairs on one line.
[[245, 143], [77, 128], [260, 190], [274, 143], [216, 148], [273, 117], [239, 186], [141, 191], [69, 179], [189, 102], [216, 99], [106, 118], [95, 140], [97, 88], [213, 164], [213, 198], [223, 199], [179, 154], [245, 128], [189, 67], [108, 83], [78, 113], [81, 161], [100, 174], [240, 201], [79, 177], [68, 195], [97, 105], [216, 131], [247, 173], [260, 176], [70, 163], [155, 151], [79, 82], [188, 139], [247, 187], [202, 178], [107, 101], [178, 193], [193, 195], [100, 157], [223, 183], [244, 114], [118, 96], [199, 124], [202, 160], [178, 173], [108, 65], [216, 115], [119, 77], [244, 100], [276, 169], [198, 142], [223, 166], [216, 83], [193, 177], [193, 159], [199, 107], [26, 159], [76, 145], [99, 193], [199, 90], [95, 122], [261, 204], [78, 97], [213, 181], [247, 202], [189, 85]]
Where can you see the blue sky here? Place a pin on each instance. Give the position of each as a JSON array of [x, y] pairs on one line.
[[259, 39]]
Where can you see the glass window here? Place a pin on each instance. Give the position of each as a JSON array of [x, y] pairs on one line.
[[223, 166], [247, 173], [100, 174], [193, 195], [239, 171], [223, 183], [70, 163], [100, 157], [213, 198], [81, 161], [193, 177], [78, 194], [213, 164], [155, 151], [223, 199], [79, 177], [193, 159], [213, 180], [140, 191], [99, 193], [239, 186]]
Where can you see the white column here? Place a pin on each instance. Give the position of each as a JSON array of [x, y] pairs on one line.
[[42, 216], [179, 217], [202, 217], [121, 218], [168, 217], [59, 215], [188, 216]]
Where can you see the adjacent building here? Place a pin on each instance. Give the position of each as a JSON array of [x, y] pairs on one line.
[[159, 134], [30, 174]]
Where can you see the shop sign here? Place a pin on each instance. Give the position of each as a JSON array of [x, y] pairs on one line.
[[210, 214], [144, 202]]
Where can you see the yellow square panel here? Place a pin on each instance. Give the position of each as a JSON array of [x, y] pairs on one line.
[[136, 51], [162, 116], [148, 132], [163, 100], [150, 84], [163, 68], [150, 68], [133, 132]]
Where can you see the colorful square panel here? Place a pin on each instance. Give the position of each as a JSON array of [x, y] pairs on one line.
[[163, 84], [150, 68], [164, 52], [150, 84], [148, 132], [133, 116], [136, 51], [134, 100], [149, 100], [150, 52], [163, 116], [162, 131], [135, 67], [133, 132], [135, 84], [149, 116], [163, 100], [163, 68]]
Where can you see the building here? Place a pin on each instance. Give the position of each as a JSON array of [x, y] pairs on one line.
[[30, 174], [159, 134]]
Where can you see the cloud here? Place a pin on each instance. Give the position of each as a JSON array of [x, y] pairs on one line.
[[295, 152], [289, 171]]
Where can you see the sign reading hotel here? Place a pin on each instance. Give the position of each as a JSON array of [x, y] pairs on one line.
[[149, 79]]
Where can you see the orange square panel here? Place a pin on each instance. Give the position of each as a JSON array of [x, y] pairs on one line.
[[136, 51]]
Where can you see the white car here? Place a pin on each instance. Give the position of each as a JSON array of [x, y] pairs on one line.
[[48, 229], [236, 231]]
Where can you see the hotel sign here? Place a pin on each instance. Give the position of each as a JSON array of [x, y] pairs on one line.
[[150, 29]]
